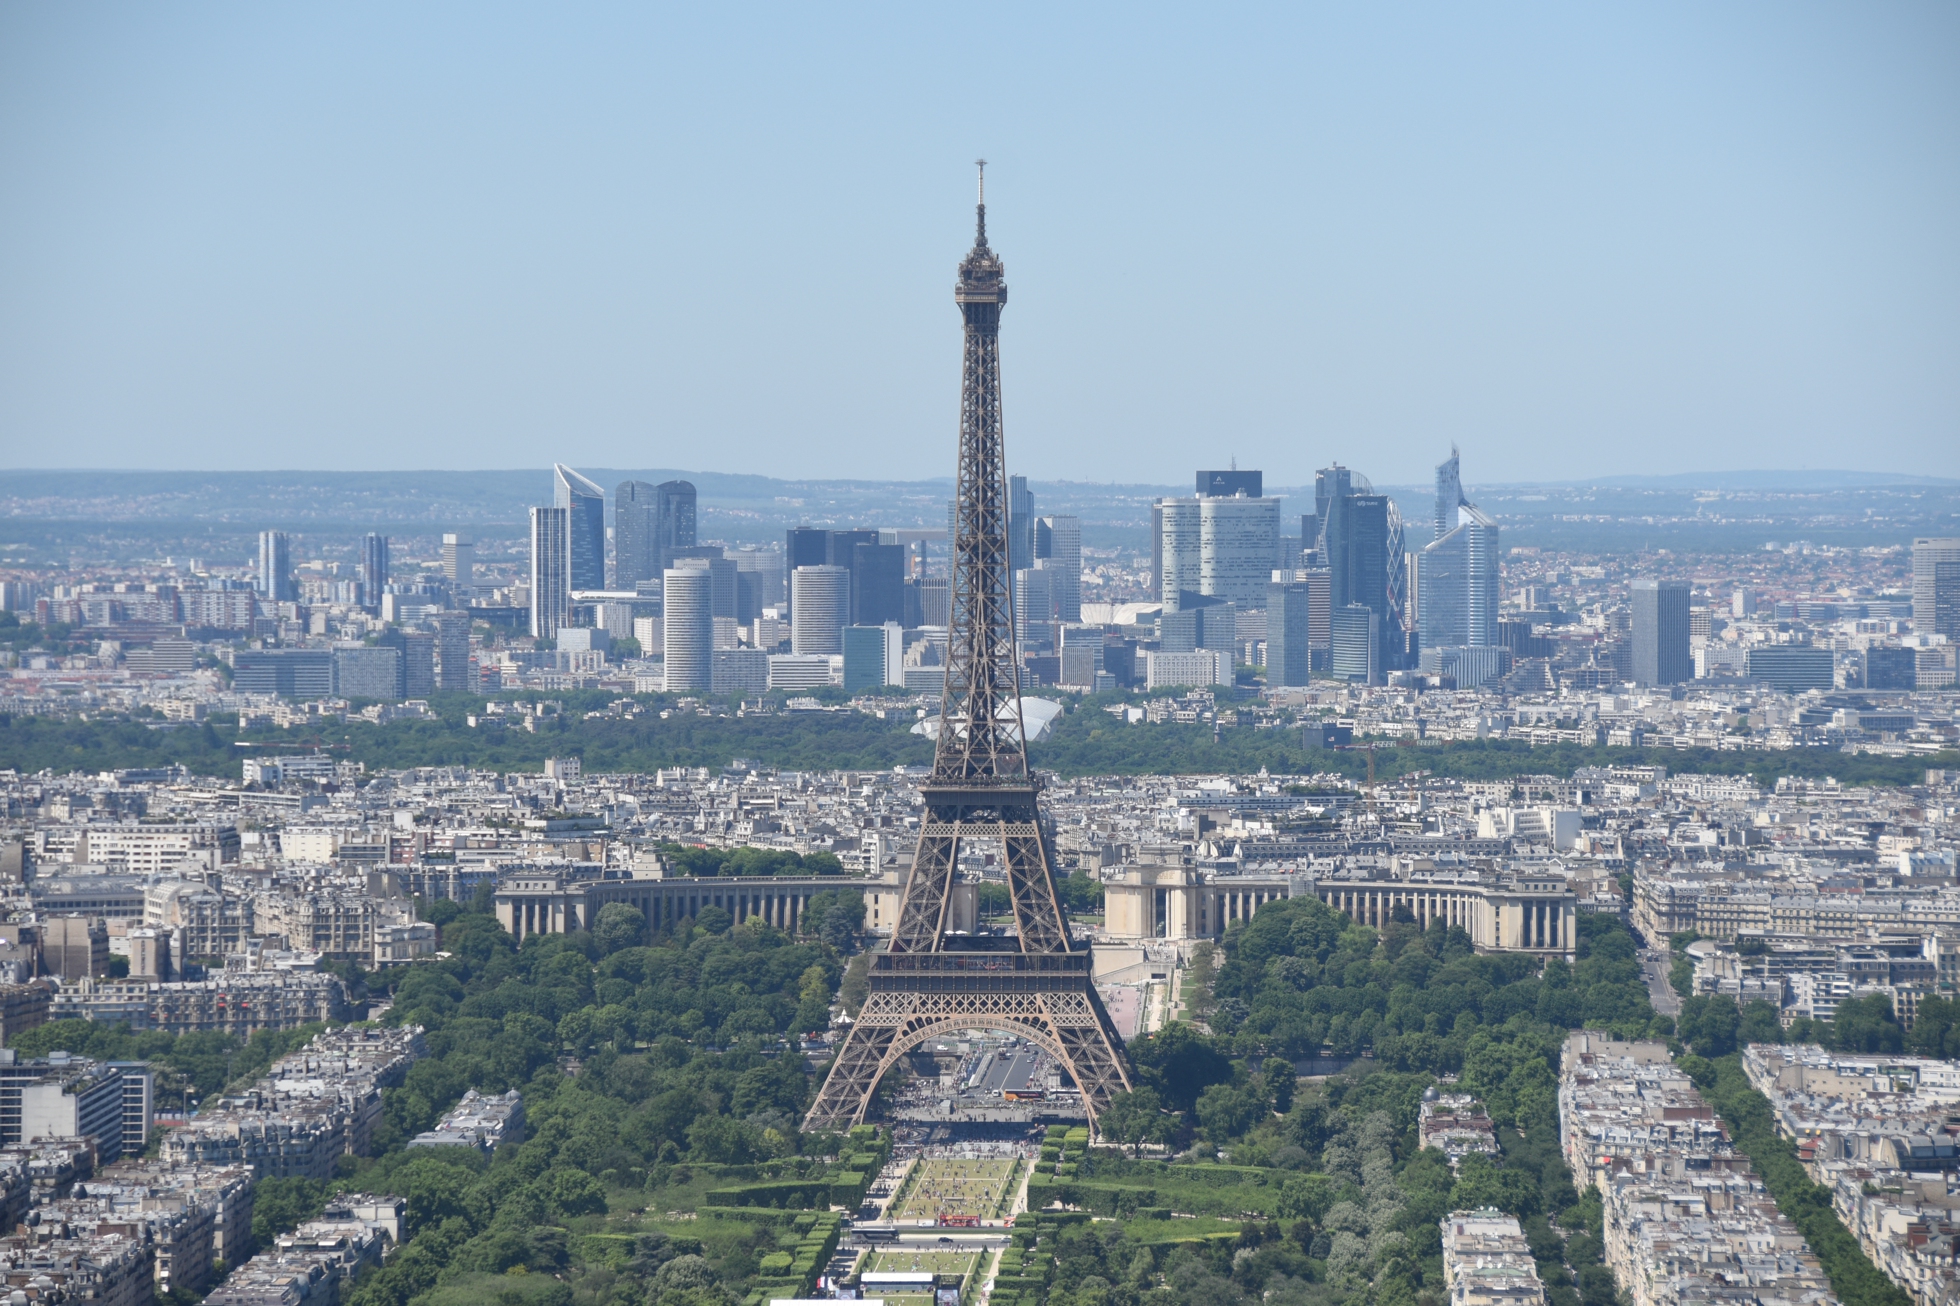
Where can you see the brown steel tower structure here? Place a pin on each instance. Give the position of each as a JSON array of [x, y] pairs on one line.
[[931, 982]]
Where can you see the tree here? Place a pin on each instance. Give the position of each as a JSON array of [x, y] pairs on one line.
[[1180, 1063], [1198, 979], [857, 984], [1227, 1111], [1936, 1030], [1866, 1025], [619, 925], [835, 916], [1136, 1117]]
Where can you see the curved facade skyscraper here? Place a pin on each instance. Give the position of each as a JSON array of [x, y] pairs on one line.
[[820, 608], [688, 628], [650, 522], [585, 512]]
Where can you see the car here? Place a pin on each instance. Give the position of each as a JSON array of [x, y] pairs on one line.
[[943, 1238]]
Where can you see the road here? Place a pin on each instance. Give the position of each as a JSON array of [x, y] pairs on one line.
[[1653, 965]]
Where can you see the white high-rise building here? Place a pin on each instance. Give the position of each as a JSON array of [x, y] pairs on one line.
[[275, 578], [1218, 547], [820, 608], [688, 627], [459, 565], [551, 572]]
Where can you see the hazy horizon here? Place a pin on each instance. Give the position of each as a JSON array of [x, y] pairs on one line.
[[1579, 244]]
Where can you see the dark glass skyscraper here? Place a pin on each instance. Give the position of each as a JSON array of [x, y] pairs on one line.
[[374, 569], [877, 584], [1357, 550], [1020, 523], [1660, 633], [634, 556], [585, 511]]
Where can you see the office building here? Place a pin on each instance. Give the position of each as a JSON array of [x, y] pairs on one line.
[[877, 584], [373, 672], [1792, 668], [792, 671], [651, 523], [452, 652], [1020, 524], [1449, 496], [865, 658], [1227, 484], [1199, 667], [1058, 550], [1209, 625], [459, 565], [928, 602], [275, 577], [1927, 555], [740, 671], [1214, 547], [1357, 644], [709, 557], [820, 608], [1455, 583], [758, 581], [1466, 666], [374, 569], [636, 557], [584, 506], [1289, 631], [1888, 666], [1743, 602], [551, 588], [688, 626], [1034, 609], [287, 672], [1356, 538], [1661, 651], [1946, 599], [1329, 484]]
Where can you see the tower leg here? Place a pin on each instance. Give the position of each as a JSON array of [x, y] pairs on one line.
[[853, 1078]]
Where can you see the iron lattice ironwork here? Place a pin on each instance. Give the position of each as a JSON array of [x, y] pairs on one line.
[[931, 982]]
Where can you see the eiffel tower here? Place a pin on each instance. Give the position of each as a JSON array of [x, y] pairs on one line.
[[930, 983]]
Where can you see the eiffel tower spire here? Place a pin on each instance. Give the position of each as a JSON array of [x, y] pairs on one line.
[[933, 980]]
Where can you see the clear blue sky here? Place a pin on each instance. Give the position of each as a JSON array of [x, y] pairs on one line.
[[1575, 239]]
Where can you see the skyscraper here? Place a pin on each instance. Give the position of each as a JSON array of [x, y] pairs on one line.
[[459, 565], [551, 591], [1357, 644], [1946, 599], [1289, 632], [1927, 555], [674, 521], [1221, 547], [1329, 484], [374, 568], [1459, 583], [635, 555], [1034, 609], [275, 568], [1058, 549], [877, 584], [452, 652], [1449, 496], [820, 608], [1661, 654], [1020, 523], [1357, 549], [688, 626], [584, 505]]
